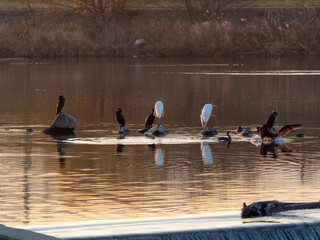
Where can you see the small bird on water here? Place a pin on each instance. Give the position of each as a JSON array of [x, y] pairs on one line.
[[225, 139], [149, 119], [120, 118], [60, 104]]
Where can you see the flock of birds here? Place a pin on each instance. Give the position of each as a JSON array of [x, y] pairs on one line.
[[266, 131]]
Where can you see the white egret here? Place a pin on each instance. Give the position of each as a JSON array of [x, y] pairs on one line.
[[158, 109], [140, 41], [206, 114]]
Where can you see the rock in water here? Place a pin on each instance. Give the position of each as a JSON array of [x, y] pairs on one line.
[[268, 208], [144, 130], [157, 131], [62, 124], [209, 132], [123, 130]]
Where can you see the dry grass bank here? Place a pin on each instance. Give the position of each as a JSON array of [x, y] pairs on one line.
[[54, 35]]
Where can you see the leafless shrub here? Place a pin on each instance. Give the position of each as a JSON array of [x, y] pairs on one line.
[[50, 35], [95, 8]]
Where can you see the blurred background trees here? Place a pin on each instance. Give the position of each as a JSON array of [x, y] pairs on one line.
[[95, 8]]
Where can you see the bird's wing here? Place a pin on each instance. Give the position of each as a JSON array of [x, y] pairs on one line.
[[158, 109], [287, 128], [286, 148]]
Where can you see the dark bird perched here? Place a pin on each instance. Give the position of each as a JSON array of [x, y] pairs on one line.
[[149, 119], [120, 118], [225, 139], [60, 104], [272, 119], [264, 131]]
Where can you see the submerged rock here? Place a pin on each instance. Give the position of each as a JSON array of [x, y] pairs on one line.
[[144, 130], [267, 208], [62, 124], [157, 131], [210, 132], [123, 130]]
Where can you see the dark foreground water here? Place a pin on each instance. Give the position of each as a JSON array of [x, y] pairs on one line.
[[45, 180]]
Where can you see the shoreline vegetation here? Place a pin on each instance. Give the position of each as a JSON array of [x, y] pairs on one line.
[[59, 32]]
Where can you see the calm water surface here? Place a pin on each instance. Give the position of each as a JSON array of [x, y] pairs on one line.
[[45, 180]]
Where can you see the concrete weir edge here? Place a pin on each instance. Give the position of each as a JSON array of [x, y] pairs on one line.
[[9, 233]]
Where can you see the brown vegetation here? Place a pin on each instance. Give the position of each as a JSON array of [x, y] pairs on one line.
[[61, 34]]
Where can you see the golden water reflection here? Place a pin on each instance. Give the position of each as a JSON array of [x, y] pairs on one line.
[[48, 180]]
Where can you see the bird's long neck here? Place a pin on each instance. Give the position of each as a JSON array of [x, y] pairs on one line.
[[229, 136]]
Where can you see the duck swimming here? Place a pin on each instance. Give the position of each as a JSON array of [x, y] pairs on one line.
[[225, 139], [245, 131]]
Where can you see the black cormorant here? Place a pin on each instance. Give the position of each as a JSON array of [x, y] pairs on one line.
[[149, 119], [120, 118], [264, 131], [60, 104], [225, 139], [272, 119]]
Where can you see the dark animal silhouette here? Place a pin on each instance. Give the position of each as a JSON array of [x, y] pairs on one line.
[[272, 119], [60, 104], [120, 118], [149, 119], [225, 139], [264, 131]]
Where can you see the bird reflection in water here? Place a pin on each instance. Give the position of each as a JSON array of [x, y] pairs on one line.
[[62, 145], [206, 153], [273, 149], [159, 156], [119, 148]]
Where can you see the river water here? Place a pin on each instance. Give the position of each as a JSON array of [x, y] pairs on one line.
[[95, 176]]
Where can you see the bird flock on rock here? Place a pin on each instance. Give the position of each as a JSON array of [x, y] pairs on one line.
[[266, 131]]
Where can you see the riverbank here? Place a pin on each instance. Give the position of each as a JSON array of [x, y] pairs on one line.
[[265, 32]]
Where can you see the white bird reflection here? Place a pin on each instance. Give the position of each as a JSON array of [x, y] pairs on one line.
[[206, 153], [159, 156]]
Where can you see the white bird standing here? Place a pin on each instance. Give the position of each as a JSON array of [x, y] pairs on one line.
[[206, 114], [158, 109]]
